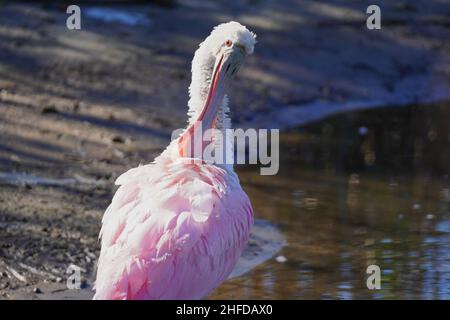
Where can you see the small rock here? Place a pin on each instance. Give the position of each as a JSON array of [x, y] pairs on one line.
[[4, 285], [416, 206], [119, 154], [118, 139], [430, 216], [48, 110], [281, 259], [76, 106], [37, 290]]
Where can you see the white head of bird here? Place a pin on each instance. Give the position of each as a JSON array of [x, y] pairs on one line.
[[215, 63]]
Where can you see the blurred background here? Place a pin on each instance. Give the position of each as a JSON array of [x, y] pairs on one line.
[[364, 116]]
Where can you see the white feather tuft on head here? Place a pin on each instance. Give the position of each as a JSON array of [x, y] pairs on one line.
[[235, 32], [205, 57]]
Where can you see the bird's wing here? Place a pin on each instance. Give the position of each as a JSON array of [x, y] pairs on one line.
[[172, 231]]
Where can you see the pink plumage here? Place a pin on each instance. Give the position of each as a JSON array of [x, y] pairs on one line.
[[176, 228]]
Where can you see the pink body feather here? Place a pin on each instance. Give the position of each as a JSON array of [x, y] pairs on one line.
[[174, 230]]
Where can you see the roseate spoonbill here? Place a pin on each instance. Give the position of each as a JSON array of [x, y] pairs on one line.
[[176, 227]]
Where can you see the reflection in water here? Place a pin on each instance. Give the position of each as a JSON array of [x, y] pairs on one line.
[[348, 197]]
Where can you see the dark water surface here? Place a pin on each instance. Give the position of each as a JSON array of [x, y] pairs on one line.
[[354, 190]]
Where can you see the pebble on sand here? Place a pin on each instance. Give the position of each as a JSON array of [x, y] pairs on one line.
[[281, 259]]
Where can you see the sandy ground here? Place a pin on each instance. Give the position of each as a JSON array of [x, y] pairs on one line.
[[80, 107]]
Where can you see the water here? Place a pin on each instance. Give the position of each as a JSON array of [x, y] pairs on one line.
[[356, 190]]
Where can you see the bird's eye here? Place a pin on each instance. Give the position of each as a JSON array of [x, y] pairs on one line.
[[228, 43]]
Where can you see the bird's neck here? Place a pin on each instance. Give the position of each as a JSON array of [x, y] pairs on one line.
[[202, 68], [215, 116]]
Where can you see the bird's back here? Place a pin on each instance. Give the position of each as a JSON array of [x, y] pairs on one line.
[[174, 230]]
